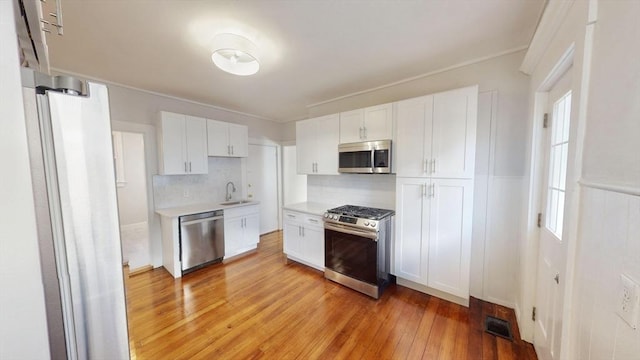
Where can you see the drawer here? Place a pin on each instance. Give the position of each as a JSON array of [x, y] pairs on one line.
[[293, 216], [312, 220], [241, 211]]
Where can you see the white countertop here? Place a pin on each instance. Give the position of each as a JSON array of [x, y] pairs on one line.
[[198, 208], [312, 208]]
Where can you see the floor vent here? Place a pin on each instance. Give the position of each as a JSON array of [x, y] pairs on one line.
[[498, 327]]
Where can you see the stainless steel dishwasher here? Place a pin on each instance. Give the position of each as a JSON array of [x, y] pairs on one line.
[[201, 240]]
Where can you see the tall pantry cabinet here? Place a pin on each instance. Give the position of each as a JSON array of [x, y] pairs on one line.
[[435, 158]]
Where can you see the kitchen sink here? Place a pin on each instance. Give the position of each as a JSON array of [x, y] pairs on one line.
[[236, 202]]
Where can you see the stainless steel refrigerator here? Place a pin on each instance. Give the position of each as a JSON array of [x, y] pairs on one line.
[[70, 149]]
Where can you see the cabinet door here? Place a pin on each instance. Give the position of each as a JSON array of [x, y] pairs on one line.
[[352, 126], [413, 136], [313, 246], [233, 236], [412, 220], [173, 146], [305, 146], [218, 138], [292, 234], [378, 122], [196, 138], [327, 139], [454, 133], [251, 230], [450, 236], [239, 140]]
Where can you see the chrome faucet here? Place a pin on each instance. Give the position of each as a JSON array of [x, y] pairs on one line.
[[233, 189]]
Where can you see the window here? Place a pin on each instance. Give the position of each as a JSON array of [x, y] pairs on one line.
[[559, 147]]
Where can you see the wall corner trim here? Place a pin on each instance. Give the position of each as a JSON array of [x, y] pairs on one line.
[[551, 20]]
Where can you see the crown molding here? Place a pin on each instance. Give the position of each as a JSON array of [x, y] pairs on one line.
[[552, 17]]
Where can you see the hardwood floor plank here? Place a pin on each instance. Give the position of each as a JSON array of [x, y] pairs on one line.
[[259, 307]]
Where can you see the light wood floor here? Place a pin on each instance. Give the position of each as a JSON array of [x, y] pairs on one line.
[[258, 307]]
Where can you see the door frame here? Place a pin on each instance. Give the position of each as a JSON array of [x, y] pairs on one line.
[[148, 133], [278, 146]]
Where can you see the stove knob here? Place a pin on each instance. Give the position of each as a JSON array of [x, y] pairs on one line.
[[326, 215], [373, 225], [366, 223]]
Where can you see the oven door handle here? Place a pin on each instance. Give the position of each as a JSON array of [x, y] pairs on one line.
[[340, 228]]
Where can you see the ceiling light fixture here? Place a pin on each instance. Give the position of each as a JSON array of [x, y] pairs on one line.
[[235, 54]]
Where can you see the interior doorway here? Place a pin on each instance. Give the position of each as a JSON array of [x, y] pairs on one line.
[[552, 244], [129, 161], [262, 183]]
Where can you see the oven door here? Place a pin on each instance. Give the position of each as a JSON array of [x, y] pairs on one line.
[[351, 252]]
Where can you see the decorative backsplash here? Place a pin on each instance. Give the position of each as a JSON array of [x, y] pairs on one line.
[[170, 190], [353, 189]]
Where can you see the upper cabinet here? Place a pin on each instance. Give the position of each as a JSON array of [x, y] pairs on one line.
[[226, 139], [182, 144], [368, 124], [317, 145], [436, 135]]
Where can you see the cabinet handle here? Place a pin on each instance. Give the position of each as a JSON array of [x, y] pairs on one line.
[[302, 231], [228, 149], [231, 149], [364, 129], [433, 190], [360, 133], [433, 166], [189, 166], [424, 189], [185, 166], [426, 166], [299, 231]]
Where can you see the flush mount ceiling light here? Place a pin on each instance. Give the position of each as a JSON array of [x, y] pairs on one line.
[[235, 54]]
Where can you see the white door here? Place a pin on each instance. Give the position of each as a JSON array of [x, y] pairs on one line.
[[306, 146], [450, 235], [218, 138], [196, 137], [262, 184], [413, 144], [552, 247], [454, 133], [239, 140], [378, 122], [328, 136], [351, 123], [412, 230]]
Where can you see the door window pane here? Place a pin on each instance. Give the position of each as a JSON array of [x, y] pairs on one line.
[[558, 155]]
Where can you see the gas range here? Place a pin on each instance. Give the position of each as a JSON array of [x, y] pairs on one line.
[[365, 218]]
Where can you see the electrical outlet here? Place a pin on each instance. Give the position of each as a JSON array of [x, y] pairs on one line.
[[185, 193], [628, 301]]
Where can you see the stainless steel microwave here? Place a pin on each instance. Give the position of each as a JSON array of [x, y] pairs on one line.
[[369, 157]]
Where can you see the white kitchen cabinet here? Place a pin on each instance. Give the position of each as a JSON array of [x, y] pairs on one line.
[[367, 124], [303, 240], [433, 233], [436, 135], [227, 140], [317, 145], [241, 229], [182, 144]]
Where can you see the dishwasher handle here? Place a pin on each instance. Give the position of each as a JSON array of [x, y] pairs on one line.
[[200, 218]]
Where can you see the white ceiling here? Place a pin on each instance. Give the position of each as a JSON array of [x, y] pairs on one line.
[[311, 51]]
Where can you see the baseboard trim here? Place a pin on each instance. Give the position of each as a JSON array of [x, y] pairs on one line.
[[140, 270]]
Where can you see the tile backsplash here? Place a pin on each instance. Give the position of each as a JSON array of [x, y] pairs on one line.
[[170, 190], [354, 189]]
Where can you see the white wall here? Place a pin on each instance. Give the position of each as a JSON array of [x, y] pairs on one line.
[[23, 323], [604, 180], [500, 165], [608, 242]]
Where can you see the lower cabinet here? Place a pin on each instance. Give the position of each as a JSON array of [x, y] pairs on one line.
[[241, 229], [304, 238], [433, 233]]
